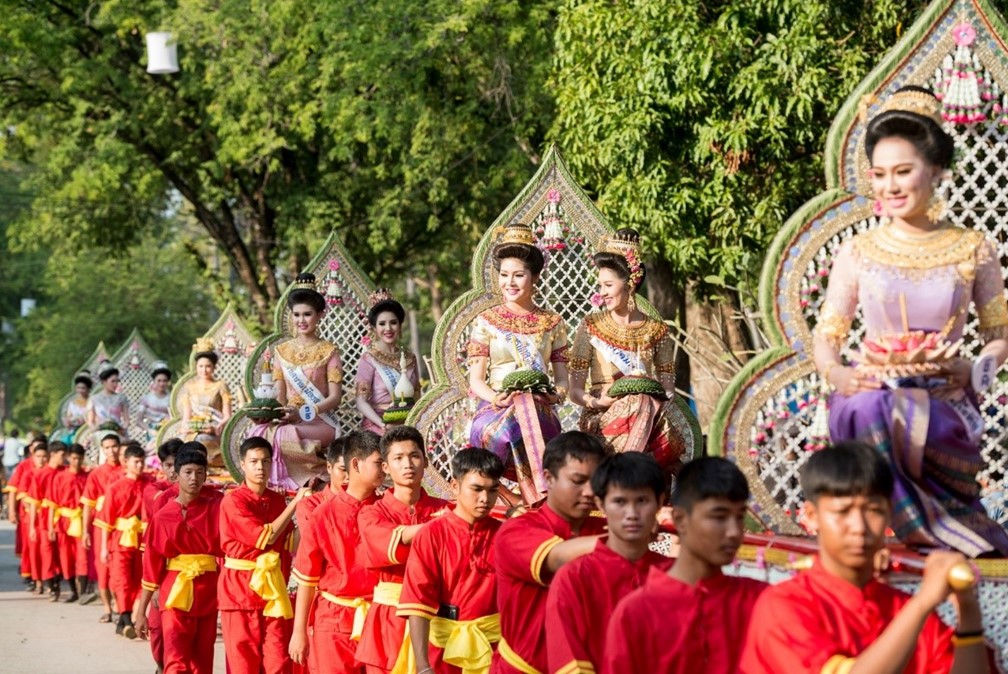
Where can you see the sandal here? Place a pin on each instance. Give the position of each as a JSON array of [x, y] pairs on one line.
[[105, 618]]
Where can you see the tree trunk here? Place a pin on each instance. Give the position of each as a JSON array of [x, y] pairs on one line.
[[716, 344], [668, 295]]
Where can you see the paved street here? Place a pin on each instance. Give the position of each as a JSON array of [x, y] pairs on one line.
[[37, 637]]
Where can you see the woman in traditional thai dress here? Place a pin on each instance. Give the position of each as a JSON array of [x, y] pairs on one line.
[[75, 411], [309, 379], [914, 278], [517, 335], [379, 369], [622, 341], [205, 402], [154, 406], [108, 405]]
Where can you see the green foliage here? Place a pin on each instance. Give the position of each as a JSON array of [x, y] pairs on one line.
[[92, 296], [408, 125], [703, 125]]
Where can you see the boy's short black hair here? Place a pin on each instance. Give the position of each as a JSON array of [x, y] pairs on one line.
[[168, 448], [334, 452], [110, 434], [40, 445], [629, 470], [476, 460], [76, 448], [400, 434], [360, 445], [134, 451], [193, 446], [188, 456], [254, 442], [709, 477], [57, 446], [571, 445], [847, 469]]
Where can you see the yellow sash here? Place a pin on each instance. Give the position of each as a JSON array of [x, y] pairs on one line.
[[514, 659], [189, 567], [130, 528], [267, 582], [387, 594], [360, 606], [466, 643], [75, 527]]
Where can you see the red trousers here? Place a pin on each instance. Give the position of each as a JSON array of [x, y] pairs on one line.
[[85, 561], [331, 650], [156, 634], [125, 573], [22, 538], [33, 550], [67, 548], [189, 642], [48, 554], [101, 568], [254, 643]]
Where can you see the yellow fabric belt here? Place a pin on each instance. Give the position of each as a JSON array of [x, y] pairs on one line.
[[514, 659], [189, 567], [360, 607], [466, 643], [387, 594], [130, 528], [75, 527], [267, 581]]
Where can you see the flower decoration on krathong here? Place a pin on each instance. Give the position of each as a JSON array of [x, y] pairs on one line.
[[907, 354], [333, 293]]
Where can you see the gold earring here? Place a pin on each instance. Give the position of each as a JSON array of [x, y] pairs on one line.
[[631, 304], [937, 209]]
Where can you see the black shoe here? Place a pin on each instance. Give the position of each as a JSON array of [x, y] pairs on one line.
[[120, 625], [71, 599], [128, 630]]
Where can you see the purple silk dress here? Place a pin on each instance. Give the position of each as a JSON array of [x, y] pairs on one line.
[[930, 439]]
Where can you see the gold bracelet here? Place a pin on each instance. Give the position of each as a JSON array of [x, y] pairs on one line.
[[561, 392], [829, 368], [963, 642]]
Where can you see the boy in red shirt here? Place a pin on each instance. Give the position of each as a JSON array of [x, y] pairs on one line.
[[92, 499], [836, 617], [40, 512], [122, 530], [338, 478], [31, 560], [629, 489], [181, 564], [531, 548], [691, 617], [330, 562], [391, 525], [16, 484], [256, 538], [66, 524], [450, 591]]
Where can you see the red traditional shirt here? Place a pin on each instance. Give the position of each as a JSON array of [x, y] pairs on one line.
[[451, 564], [521, 549], [14, 485], [330, 556], [669, 627], [40, 492], [66, 493], [386, 554], [582, 598], [123, 500], [802, 624], [184, 530], [245, 519], [98, 481], [308, 504], [150, 494]]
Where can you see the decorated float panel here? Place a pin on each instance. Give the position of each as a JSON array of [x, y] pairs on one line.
[[770, 418], [567, 226], [90, 366]]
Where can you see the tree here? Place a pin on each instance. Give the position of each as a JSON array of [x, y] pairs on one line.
[[703, 126], [406, 125]]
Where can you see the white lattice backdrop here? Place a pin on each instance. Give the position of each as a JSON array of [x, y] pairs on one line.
[[234, 344], [778, 436], [344, 324], [566, 287], [133, 360]]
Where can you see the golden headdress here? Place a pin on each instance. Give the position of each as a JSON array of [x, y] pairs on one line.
[[380, 295], [304, 281], [203, 345], [620, 245], [917, 102], [516, 233]]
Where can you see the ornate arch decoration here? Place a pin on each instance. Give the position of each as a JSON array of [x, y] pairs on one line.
[[91, 365], [234, 344], [346, 289], [763, 421], [553, 203]]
